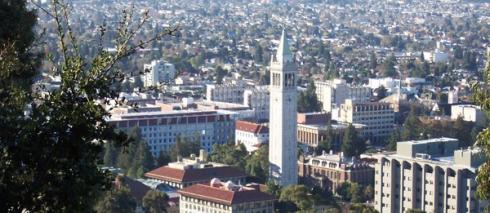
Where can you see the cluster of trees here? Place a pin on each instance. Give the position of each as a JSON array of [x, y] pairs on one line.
[[352, 144], [355, 193], [414, 129], [120, 199], [255, 164], [308, 101], [136, 159], [56, 149]]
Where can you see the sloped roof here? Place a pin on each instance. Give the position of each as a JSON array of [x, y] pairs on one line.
[[191, 175], [224, 196]]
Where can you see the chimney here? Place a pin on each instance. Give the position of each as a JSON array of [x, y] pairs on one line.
[[203, 155]]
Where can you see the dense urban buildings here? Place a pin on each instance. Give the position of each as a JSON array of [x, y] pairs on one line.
[[333, 93], [432, 175], [225, 197], [329, 171]]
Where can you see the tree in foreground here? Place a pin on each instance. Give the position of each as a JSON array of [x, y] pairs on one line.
[[155, 202], [49, 159], [482, 97]]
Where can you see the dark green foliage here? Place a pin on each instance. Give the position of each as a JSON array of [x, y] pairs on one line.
[[352, 145], [361, 208], [220, 74], [155, 202], [354, 192], [163, 159], [308, 101], [184, 147], [411, 127], [117, 201], [110, 155], [325, 145], [381, 92], [393, 139], [388, 67], [297, 195], [255, 164], [49, 160]]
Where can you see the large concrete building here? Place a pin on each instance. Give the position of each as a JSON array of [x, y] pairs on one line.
[[160, 129], [329, 171], [225, 197], [335, 92], [282, 120], [158, 72], [231, 92], [432, 175], [311, 135], [378, 117], [468, 112], [257, 98]]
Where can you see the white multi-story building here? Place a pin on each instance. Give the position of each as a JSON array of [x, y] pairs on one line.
[[437, 56], [378, 117], [388, 83], [283, 164], [158, 72], [257, 98], [225, 197], [161, 129], [468, 112], [229, 92], [251, 134], [430, 175], [333, 93]]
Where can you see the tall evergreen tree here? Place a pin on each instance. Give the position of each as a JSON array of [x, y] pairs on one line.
[[110, 155], [352, 145], [411, 126]]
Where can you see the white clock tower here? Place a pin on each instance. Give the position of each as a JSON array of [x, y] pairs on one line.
[[283, 164]]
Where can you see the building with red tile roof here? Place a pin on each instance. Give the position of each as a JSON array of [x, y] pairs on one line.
[[251, 134], [193, 170], [225, 197]]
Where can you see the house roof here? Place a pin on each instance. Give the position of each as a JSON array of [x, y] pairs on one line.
[[224, 196], [192, 175], [251, 127]]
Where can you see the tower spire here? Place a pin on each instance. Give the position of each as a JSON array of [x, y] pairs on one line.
[[283, 51]]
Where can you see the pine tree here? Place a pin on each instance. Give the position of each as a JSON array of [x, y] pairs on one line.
[[394, 138], [351, 144], [411, 126], [110, 155]]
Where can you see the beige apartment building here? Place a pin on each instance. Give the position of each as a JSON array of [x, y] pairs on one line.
[[378, 117], [432, 175]]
